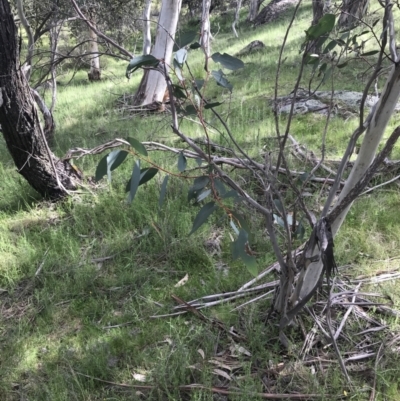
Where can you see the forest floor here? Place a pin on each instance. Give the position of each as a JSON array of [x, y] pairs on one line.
[[81, 280]]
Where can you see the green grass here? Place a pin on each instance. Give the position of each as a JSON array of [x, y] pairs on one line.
[[79, 282]]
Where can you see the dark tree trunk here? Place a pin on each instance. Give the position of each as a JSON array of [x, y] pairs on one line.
[[352, 12], [19, 121]]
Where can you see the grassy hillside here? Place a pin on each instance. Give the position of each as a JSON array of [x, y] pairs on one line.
[[81, 280]]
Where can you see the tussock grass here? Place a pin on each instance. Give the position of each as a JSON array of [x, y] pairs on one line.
[[79, 280]]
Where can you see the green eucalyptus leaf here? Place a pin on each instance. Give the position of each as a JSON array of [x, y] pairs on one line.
[[181, 56], [219, 76], [163, 191], [199, 83], [141, 61], [147, 174], [204, 213], [182, 163], [323, 27], [135, 180], [114, 160], [242, 220], [138, 146], [182, 39], [203, 195], [101, 169], [230, 194], [179, 92], [238, 249], [178, 70], [227, 61], [330, 46], [371, 53], [220, 187], [211, 105]]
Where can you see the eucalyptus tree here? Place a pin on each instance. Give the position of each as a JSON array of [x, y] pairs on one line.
[[352, 12], [20, 124], [152, 88]]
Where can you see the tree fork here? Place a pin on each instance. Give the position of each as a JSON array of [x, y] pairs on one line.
[[47, 174]]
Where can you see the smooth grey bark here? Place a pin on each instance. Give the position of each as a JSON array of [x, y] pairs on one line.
[[205, 28], [146, 28], [94, 73], [236, 19], [152, 88]]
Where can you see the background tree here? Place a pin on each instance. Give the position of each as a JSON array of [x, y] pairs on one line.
[[20, 124], [152, 87], [147, 28], [352, 12]]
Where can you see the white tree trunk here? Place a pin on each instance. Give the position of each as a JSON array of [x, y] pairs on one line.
[[146, 28], [382, 113], [153, 86], [253, 10], [205, 28], [94, 73], [237, 15]]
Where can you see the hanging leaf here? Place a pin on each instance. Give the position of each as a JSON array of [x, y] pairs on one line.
[[278, 205], [300, 231], [179, 92], [178, 71], [114, 159], [181, 56], [182, 39], [146, 174], [199, 83], [330, 46], [220, 187], [109, 163], [327, 75], [221, 80], [211, 105], [342, 65], [234, 227], [230, 194], [241, 220], [182, 163], [135, 180], [138, 146], [371, 53], [198, 185], [203, 195], [141, 61], [323, 27], [101, 169], [163, 191], [204, 213], [190, 110], [200, 182], [227, 61], [238, 249]]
